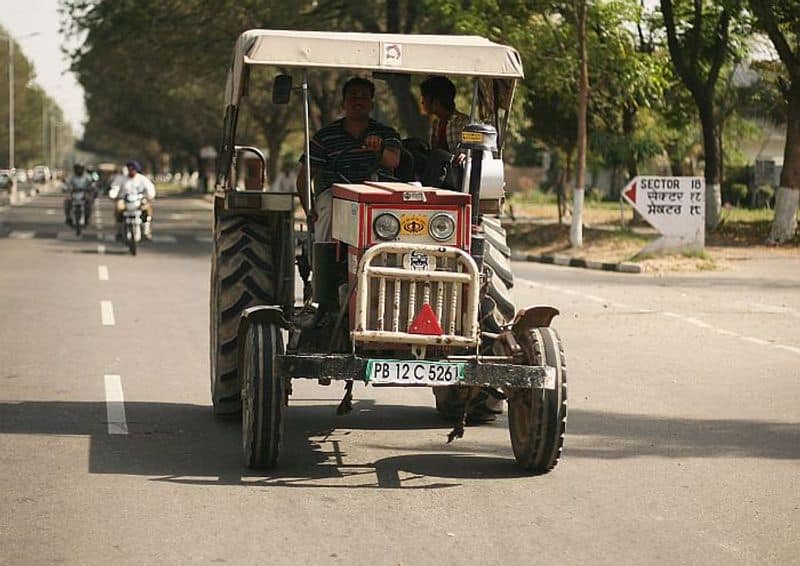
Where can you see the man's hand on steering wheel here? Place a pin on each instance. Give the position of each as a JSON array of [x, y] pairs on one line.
[[373, 143]]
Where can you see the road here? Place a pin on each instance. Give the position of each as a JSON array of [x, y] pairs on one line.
[[683, 436]]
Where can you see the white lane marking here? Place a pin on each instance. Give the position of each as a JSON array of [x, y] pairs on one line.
[[758, 341], [21, 235], [164, 239], [115, 405], [177, 216], [687, 319], [787, 348], [107, 313], [696, 322], [101, 249], [204, 239], [102, 272], [50, 212]]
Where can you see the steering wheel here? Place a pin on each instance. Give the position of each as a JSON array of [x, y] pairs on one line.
[[372, 165]]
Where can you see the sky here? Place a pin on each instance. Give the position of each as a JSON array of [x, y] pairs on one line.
[[21, 17]]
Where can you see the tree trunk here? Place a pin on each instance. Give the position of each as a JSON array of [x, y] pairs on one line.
[[576, 230], [784, 224], [274, 144], [711, 156]]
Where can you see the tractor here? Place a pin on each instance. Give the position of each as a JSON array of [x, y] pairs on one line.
[[419, 274]]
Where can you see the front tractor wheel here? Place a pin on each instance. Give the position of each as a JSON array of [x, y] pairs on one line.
[[263, 395], [537, 418]]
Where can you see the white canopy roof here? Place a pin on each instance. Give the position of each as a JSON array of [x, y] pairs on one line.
[[413, 54]]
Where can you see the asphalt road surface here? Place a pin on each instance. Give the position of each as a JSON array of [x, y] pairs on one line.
[[683, 436]]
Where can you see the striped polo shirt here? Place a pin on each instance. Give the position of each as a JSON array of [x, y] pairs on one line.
[[338, 157]]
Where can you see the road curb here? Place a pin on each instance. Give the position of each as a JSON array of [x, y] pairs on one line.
[[568, 261]]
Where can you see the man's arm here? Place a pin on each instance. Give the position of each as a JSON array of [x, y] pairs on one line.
[[387, 144]]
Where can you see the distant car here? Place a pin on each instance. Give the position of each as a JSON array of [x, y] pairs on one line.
[[41, 174], [5, 179]]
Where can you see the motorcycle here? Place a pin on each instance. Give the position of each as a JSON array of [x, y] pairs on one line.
[[79, 206], [134, 220]]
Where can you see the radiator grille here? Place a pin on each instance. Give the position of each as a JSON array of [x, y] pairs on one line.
[[390, 295]]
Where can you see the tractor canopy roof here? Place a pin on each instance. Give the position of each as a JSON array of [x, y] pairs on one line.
[[498, 66]]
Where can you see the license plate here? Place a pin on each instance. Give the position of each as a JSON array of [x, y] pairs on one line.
[[412, 372]]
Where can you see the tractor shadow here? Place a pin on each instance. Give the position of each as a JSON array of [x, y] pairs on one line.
[[185, 444]]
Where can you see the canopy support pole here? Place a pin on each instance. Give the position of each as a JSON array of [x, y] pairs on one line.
[[307, 163]]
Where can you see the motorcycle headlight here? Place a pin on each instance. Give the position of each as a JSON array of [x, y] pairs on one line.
[[442, 227], [386, 226]]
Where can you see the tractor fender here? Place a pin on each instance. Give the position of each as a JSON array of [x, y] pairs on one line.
[[533, 317], [268, 314]]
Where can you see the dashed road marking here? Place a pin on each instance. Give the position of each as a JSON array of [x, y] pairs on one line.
[[107, 313], [115, 405], [164, 239], [50, 212], [204, 239], [21, 235], [101, 249], [102, 272], [683, 318]]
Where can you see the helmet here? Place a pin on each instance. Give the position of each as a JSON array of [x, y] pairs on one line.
[[133, 164], [78, 169]]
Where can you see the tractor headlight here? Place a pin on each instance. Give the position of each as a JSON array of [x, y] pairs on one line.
[[442, 227], [386, 226]]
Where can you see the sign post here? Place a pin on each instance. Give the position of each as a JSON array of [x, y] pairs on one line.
[[675, 206]]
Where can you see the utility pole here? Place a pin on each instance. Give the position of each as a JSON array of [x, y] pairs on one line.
[[11, 103], [44, 128], [10, 39]]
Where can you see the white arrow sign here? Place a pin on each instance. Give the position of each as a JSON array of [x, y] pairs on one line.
[[675, 206]]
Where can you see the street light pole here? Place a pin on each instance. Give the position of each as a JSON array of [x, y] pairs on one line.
[[10, 39], [10, 102]]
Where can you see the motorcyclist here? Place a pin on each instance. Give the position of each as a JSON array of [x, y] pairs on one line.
[[136, 183], [80, 180]]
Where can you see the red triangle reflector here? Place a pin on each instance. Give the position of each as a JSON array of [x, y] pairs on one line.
[[425, 322], [631, 193]]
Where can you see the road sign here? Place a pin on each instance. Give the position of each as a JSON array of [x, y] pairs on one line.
[[675, 206]]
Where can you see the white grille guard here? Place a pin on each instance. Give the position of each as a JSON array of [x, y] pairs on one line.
[[467, 279]]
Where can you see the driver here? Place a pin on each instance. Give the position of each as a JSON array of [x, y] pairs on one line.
[[347, 151]]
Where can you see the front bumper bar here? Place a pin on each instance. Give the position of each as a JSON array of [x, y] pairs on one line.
[[345, 367]]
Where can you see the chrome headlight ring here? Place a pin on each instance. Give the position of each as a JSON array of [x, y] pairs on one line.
[[442, 226], [386, 226]]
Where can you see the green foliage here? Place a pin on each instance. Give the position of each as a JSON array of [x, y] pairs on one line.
[[764, 195], [30, 146], [735, 193]]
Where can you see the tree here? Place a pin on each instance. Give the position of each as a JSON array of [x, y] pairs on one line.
[[781, 22], [576, 231], [699, 43]]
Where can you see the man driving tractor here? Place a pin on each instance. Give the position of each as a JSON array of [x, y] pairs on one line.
[[345, 152], [352, 149]]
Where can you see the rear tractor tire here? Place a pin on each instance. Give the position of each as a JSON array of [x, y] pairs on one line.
[[537, 418], [242, 276], [497, 309]]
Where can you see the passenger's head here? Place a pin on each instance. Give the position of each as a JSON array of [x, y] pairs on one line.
[[133, 167], [78, 169], [438, 94], [357, 95]]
